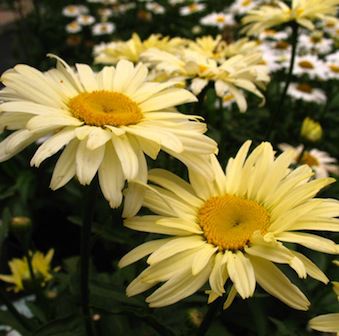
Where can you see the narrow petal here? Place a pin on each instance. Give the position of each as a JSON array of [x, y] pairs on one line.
[[241, 272], [88, 162], [273, 281], [65, 167], [111, 178], [52, 145], [127, 156], [141, 251]]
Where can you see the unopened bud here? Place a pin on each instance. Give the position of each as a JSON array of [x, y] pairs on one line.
[[311, 130]]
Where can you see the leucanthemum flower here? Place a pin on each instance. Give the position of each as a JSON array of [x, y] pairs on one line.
[[106, 121], [241, 7], [307, 93], [315, 43], [191, 9], [218, 20], [85, 20], [131, 49], [309, 65], [301, 11], [238, 73], [103, 28], [233, 229], [321, 162], [155, 8], [73, 27], [74, 10]]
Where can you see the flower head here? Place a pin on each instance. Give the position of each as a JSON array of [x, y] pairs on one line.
[[321, 162], [41, 265], [233, 229], [302, 11], [106, 121]]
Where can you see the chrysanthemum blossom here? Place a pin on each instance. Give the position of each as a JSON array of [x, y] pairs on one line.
[[105, 122], [304, 12], [233, 230]]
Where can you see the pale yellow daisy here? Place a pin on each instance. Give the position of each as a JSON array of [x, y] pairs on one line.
[[233, 229], [232, 76], [106, 121], [304, 12], [131, 49], [41, 265]]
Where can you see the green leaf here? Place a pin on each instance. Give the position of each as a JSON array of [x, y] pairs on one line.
[[66, 326], [7, 319], [107, 296]]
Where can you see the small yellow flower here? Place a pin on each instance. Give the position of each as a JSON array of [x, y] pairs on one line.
[[41, 265], [311, 130]]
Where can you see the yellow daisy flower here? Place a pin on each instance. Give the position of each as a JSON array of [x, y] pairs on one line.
[[233, 228], [131, 50], [106, 121], [41, 265], [302, 11]]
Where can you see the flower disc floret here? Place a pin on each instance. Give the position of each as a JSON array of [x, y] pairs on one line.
[[100, 108], [229, 221]]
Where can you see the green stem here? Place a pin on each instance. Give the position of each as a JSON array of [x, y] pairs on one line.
[[277, 112], [13, 311], [88, 212], [208, 319]]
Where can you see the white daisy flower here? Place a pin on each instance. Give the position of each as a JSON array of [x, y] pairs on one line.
[[240, 7], [155, 8], [103, 28], [321, 162], [85, 20], [74, 10], [307, 93], [73, 27], [218, 19], [191, 9], [315, 43]]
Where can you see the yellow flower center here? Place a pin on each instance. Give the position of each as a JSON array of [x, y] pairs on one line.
[[220, 19], [334, 68], [246, 3], [304, 88], [309, 159], [193, 7], [306, 65], [99, 108], [229, 221], [282, 45]]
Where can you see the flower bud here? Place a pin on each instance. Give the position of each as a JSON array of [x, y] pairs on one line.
[[311, 130]]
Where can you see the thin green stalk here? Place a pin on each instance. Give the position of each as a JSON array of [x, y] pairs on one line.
[[276, 113], [85, 250], [209, 317], [13, 311]]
